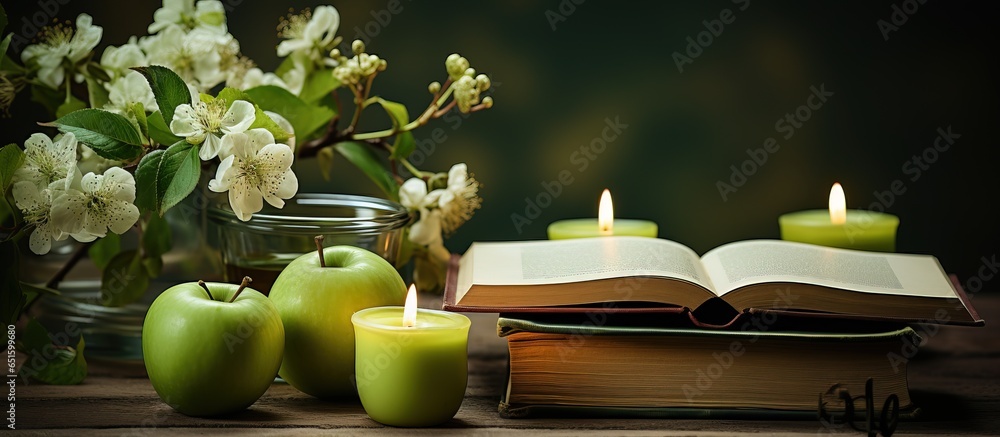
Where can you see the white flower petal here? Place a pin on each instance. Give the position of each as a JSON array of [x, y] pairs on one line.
[[69, 211], [277, 157], [229, 141], [122, 216], [427, 230], [184, 123], [238, 117], [40, 241], [245, 200], [210, 147], [120, 184], [258, 138], [412, 193], [221, 182]]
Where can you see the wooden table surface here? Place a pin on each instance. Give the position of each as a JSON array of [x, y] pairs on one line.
[[955, 379]]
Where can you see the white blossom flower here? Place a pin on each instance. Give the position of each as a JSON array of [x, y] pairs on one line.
[[309, 35], [36, 208], [252, 77], [129, 90], [459, 200], [210, 14], [89, 208], [257, 170], [46, 161], [118, 60], [414, 196], [206, 123], [196, 56], [61, 45]]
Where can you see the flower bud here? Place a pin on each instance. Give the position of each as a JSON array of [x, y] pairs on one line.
[[335, 53], [358, 47], [471, 72], [434, 87], [483, 82], [487, 102], [456, 66]]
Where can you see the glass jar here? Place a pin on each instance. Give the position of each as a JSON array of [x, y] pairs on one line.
[[262, 246]]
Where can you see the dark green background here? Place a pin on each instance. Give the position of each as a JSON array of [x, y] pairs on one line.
[[554, 89]]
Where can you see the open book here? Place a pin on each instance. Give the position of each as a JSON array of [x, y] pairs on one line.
[[652, 274]]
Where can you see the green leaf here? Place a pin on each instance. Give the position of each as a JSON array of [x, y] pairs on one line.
[[325, 160], [319, 84], [3, 19], [11, 158], [5, 43], [104, 249], [403, 146], [139, 112], [11, 296], [396, 111], [165, 177], [159, 131], [47, 97], [125, 279], [169, 89], [34, 337], [96, 93], [156, 236], [305, 118], [60, 366], [110, 135], [230, 95], [70, 105], [404, 142], [362, 156], [38, 289]]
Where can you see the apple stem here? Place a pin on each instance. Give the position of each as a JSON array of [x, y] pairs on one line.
[[319, 248], [244, 284], [205, 286]]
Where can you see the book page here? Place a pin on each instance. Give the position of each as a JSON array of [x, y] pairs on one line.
[[584, 259], [735, 265]]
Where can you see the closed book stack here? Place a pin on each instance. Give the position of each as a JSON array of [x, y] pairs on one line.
[[612, 370]]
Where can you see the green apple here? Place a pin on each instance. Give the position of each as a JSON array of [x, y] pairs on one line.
[[316, 301], [207, 353]]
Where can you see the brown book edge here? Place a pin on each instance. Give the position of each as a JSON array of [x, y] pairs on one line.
[[451, 290]]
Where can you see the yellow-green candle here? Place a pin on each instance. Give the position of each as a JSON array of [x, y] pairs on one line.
[[604, 225], [841, 227], [411, 374]]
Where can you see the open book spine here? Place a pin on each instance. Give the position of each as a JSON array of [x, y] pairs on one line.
[[687, 314]]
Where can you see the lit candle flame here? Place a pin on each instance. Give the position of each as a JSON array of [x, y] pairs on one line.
[[410, 309], [838, 205], [606, 214]]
